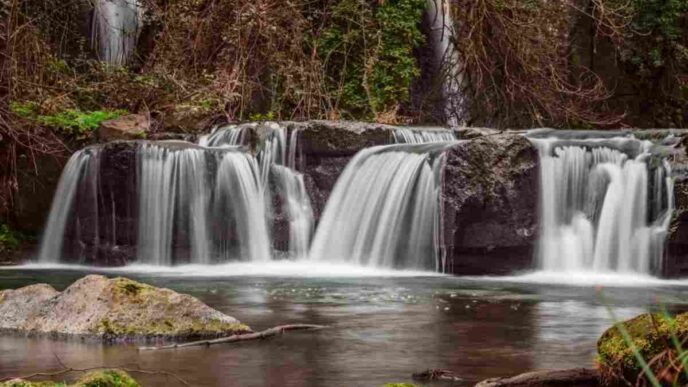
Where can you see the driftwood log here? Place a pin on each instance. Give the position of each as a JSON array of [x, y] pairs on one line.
[[236, 338]]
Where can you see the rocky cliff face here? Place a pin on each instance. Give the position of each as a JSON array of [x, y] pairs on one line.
[[489, 201]]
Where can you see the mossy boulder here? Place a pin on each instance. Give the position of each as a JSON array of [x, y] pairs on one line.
[[100, 378], [112, 309], [651, 334]]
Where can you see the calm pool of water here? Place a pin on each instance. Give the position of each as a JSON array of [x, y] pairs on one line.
[[383, 327]]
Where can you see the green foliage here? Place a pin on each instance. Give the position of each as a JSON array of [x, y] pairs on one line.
[[647, 345], [368, 54], [101, 378], [70, 121], [10, 240]]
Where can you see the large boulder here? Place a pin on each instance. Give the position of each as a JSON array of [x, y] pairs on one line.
[[112, 309], [652, 336], [128, 127], [489, 202]]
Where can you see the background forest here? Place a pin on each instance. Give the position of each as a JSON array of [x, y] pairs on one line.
[[520, 63]]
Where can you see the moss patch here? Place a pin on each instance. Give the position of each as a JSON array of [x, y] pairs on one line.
[[651, 334], [100, 378]]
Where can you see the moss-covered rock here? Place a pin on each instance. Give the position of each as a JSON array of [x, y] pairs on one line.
[[651, 335], [100, 378], [112, 309]]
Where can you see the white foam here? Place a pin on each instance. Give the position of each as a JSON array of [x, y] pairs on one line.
[[241, 269], [588, 278]]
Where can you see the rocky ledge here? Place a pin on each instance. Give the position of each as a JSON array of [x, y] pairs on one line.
[[117, 309]]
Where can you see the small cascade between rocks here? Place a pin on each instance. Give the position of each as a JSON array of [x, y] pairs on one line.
[[199, 206], [422, 136], [277, 161], [116, 28], [606, 204], [82, 166], [393, 222]]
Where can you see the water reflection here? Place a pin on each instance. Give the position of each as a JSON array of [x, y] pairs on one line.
[[382, 330]]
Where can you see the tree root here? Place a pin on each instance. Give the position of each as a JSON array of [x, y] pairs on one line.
[[236, 338]]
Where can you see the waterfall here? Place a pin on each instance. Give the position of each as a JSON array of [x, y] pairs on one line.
[[604, 208], [177, 209], [277, 160], [447, 62], [229, 135], [422, 136], [391, 222], [82, 166], [116, 28]]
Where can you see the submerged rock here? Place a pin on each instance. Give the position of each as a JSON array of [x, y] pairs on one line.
[[100, 378], [489, 201], [652, 336], [579, 377], [112, 309]]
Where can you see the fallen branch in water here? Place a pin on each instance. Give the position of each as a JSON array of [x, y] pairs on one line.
[[435, 374], [243, 337]]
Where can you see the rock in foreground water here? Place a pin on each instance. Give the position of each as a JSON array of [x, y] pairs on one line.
[[101, 378], [112, 309]]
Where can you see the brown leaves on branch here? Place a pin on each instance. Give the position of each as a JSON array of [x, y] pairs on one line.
[[517, 59]]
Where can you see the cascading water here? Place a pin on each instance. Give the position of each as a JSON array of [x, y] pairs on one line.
[[600, 209], [277, 159], [422, 136], [177, 210], [116, 28], [391, 222], [447, 61], [83, 165], [230, 135]]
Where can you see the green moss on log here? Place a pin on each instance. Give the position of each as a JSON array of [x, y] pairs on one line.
[[100, 378], [651, 334]]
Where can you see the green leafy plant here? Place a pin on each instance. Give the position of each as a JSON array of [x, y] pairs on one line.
[[367, 50], [72, 121], [10, 240]]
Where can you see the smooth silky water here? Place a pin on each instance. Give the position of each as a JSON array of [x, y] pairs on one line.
[[385, 325]]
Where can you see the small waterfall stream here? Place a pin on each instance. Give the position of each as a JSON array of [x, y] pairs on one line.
[[177, 210], [393, 222], [83, 165], [605, 205], [116, 28]]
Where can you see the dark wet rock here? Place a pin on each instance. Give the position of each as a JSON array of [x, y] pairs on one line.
[[37, 179], [470, 133], [651, 335], [676, 259], [326, 147], [128, 127], [489, 199], [112, 309], [103, 228], [579, 377]]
